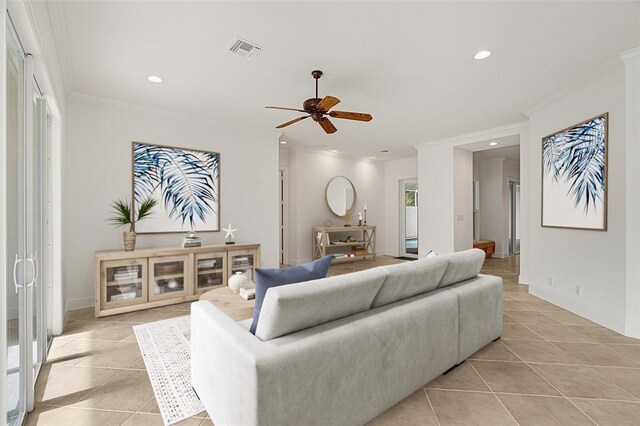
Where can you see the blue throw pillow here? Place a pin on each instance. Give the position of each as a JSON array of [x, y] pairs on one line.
[[267, 278]]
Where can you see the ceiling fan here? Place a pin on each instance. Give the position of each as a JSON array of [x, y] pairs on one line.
[[317, 108]]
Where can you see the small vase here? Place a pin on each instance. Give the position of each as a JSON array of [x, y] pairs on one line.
[[129, 241], [238, 281]]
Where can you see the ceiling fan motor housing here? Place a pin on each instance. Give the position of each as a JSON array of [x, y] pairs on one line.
[[318, 107]]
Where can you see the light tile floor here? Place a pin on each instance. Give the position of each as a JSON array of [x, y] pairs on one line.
[[550, 367]]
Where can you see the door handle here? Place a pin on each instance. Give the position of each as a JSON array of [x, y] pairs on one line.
[[34, 269], [15, 273]]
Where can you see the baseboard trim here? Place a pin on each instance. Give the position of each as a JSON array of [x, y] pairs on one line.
[[596, 315], [523, 279], [80, 303], [632, 330]]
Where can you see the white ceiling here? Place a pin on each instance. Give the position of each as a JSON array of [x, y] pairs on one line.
[[410, 64]]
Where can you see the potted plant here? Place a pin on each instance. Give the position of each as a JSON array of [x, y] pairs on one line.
[[123, 216]]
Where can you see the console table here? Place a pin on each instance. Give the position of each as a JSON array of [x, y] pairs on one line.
[[326, 240], [127, 281]]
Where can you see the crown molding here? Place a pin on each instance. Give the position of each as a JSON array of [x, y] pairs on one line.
[[329, 153], [517, 128], [598, 71], [58, 22], [630, 56], [401, 160], [155, 111]]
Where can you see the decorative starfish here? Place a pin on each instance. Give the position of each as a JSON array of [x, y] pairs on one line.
[[229, 232]]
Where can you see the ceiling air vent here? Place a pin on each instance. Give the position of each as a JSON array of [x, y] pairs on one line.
[[245, 48]]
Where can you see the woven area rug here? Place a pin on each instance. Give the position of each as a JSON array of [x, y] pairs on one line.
[[166, 350]]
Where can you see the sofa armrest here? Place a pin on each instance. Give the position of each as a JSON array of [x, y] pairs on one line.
[[224, 356]]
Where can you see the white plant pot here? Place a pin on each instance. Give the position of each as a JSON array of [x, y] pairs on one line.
[[238, 281]]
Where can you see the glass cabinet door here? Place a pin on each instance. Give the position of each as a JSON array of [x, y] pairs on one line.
[[169, 277], [210, 271], [124, 282], [243, 261]]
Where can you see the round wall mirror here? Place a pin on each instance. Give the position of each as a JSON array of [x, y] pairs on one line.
[[341, 195]]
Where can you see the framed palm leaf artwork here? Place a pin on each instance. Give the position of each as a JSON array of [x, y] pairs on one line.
[[574, 176], [186, 183]]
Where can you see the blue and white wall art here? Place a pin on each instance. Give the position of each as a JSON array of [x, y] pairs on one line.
[[574, 176], [186, 183]]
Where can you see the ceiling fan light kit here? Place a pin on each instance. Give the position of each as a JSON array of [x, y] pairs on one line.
[[318, 108]]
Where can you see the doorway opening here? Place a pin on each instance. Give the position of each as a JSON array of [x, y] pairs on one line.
[[409, 218], [283, 221], [514, 217]]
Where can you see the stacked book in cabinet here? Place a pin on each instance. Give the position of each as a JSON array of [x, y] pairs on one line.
[[128, 281]]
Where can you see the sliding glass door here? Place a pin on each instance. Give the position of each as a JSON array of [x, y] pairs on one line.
[[409, 218], [514, 217], [27, 314], [16, 188]]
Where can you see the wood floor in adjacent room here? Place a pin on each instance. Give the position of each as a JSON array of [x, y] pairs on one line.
[[550, 367]]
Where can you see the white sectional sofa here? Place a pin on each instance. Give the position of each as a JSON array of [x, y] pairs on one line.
[[342, 350]]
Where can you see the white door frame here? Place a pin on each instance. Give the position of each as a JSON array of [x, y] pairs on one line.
[[402, 219], [283, 224], [25, 23]]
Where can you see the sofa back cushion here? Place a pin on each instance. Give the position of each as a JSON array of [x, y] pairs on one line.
[[409, 279], [290, 308], [463, 265], [268, 278]]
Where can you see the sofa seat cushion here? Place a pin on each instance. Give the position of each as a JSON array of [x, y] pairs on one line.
[[270, 278], [409, 279], [291, 308], [463, 266]]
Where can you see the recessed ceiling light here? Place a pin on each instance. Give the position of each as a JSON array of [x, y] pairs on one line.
[[373, 157], [283, 142], [483, 54], [337, 151], [384, 151], [493, 143], [154, 79]]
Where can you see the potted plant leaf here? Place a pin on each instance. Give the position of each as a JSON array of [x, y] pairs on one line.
[[123, 215]]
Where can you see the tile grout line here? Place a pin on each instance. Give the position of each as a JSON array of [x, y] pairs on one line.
[[494, 394], [591, 367], [433, 410], [548, 382], [582, 363], [620, 353]]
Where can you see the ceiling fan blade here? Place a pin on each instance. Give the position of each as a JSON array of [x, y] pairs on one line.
[[327, 125], [287, 109], [351, 115], [328, 102], [295, 120]]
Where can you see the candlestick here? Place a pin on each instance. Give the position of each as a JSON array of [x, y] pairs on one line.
[[365, 216], [365, 207]]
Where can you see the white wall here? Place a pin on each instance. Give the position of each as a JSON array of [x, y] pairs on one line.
[[436, 226], [632, 152], [491, 201], [463, 199], [98, 170], [394, 172], [309, 174], [593, 260]]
